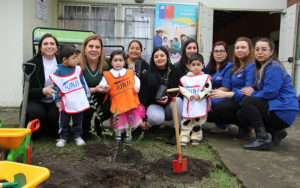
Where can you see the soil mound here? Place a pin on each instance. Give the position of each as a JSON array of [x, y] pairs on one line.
[[114, 178], [96, 169], [196, 169]]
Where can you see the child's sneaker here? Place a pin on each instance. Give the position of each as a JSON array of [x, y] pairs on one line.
[[128, 141], [79, 141], [61, 142], [118, 140], [195, 142], [183, 143]]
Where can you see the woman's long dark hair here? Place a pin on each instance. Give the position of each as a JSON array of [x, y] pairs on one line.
[[212, 65], [41, 42], [154, 79], [183, 60]]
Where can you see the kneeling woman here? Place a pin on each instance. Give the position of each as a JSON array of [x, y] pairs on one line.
[[273, 105]]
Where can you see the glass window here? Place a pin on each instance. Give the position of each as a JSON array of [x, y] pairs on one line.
[[97, 18], [139, 25], [133, 22]]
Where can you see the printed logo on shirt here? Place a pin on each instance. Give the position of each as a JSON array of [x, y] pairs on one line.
[[194, 89], [71, 84], [219, 78], [122, 84]]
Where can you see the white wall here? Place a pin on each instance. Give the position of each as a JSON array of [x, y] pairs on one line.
[[30, 22], [216, 4], [11, 48], [17, 19], [246, 4]]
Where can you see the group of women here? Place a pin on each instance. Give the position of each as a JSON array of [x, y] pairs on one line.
[[253, 91]]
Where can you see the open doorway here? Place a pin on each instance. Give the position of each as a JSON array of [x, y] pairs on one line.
[[229, 25]]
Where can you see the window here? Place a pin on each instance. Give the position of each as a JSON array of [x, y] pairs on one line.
[[139, 24], [97, 18], [117, 25]]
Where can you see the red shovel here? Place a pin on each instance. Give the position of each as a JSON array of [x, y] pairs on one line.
[[179, 165]]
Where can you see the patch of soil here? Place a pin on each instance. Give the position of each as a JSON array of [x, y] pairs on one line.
[[114, 177], [123, 154], [96, 169], [196, 169]]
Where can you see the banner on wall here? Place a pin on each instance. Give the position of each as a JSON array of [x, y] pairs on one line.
[[174, 24]]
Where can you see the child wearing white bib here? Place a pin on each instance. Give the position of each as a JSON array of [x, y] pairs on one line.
[[196, 87], [72, 95]]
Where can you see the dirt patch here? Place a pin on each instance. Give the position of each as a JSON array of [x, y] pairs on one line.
[[196, 169], [98, 169], [122, 154]]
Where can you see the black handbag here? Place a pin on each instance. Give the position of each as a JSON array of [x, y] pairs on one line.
[[138, 67], [161, 92]]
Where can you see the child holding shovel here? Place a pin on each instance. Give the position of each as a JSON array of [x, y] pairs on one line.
[[71, 98], [126, 108], [196, 87]]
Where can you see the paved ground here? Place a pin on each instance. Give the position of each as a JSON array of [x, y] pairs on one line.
[[279, 167]]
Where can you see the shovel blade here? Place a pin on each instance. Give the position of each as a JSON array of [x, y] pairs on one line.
[[180, 167]]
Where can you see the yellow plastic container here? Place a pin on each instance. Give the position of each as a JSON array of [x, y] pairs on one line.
[[12, 138], [34, 174]]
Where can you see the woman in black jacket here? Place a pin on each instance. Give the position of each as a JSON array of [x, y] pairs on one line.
[[134, 59], [156, 79], [40, 97]]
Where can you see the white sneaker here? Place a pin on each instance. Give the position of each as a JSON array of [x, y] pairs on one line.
[[79, 141], [217, 129], [61, 143], [183, 143]]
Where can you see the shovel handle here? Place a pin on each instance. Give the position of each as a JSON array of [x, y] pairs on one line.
[[26, 91], [172, 90], [27, 76], [177, 130]]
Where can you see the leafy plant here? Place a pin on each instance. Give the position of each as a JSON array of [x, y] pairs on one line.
[[112, 132]]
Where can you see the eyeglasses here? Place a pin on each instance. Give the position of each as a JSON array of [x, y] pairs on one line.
[[219, 51], [262, 49]]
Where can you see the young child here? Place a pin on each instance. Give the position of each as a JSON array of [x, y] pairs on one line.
[[196, 87], [71, 96], [166, 44], [124, 89]]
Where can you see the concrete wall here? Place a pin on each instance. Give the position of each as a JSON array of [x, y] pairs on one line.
[[30, 22], [246, 4], [216, 4], [11, 48], [17, 19]]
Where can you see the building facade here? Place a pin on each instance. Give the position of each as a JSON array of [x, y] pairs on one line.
[[118, 22]]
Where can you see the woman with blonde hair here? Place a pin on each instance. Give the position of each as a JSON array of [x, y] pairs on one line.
[[93, 63], [242, 75]]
